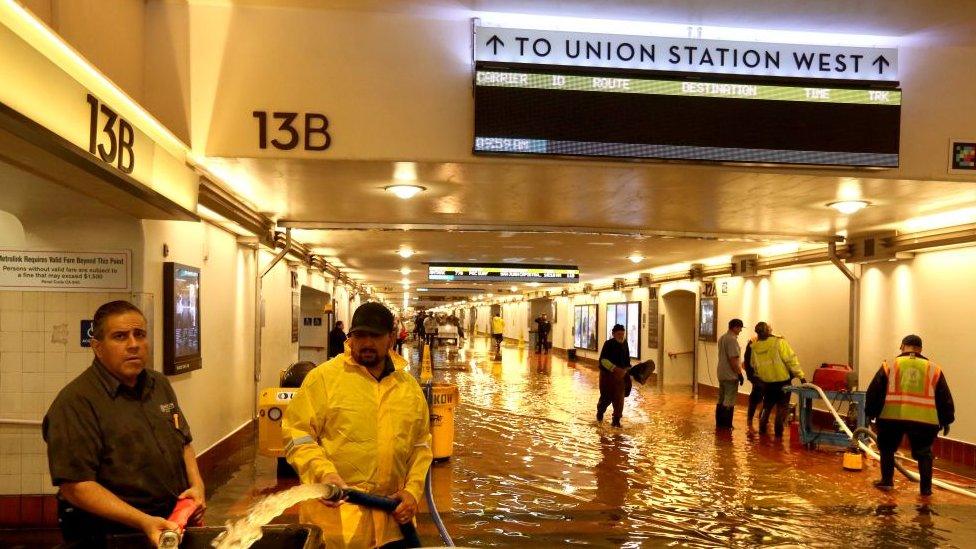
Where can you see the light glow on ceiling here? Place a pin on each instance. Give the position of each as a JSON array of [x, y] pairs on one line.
[[405, 192], [635, 257], [939, 221], [405, 252], [848, 207]]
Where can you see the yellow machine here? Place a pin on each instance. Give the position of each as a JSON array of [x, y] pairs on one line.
[[272, 403]]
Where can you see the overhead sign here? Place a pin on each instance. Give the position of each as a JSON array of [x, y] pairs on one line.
[[488, 272], [617, 51], [64, 271]]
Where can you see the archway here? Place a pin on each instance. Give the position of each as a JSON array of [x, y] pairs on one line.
[[678, 352]]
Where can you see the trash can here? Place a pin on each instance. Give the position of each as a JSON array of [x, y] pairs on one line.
[[445, 399], [571, 354]]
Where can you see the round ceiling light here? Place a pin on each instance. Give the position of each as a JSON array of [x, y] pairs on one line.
[[635, 257], [847, 207], [404, 191], [405, 271], [405, 252]]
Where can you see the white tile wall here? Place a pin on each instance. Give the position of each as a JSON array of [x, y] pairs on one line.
[[40, 352]]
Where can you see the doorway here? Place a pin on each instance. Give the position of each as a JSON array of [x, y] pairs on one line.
[[313, 330], [679, 352]]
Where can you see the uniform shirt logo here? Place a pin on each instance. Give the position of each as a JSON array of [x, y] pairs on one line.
[[167, 408]]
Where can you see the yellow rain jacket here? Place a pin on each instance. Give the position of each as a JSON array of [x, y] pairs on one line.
[[774, 360], [373, 434]]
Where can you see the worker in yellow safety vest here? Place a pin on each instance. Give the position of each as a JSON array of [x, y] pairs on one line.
[[498, 331], [775, 365], [360, 421], [910, 397]]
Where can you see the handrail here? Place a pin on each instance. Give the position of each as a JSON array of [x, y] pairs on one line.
[[11, 421], [673, 354]]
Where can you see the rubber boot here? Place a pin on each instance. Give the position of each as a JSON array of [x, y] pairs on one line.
[[729, 413], [718, 415], [925, 476], [887, 470]]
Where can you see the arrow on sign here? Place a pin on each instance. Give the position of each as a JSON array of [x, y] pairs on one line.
[[494, 42], [881, 62]]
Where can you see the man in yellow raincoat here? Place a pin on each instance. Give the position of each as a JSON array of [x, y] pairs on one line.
[[360, 421]]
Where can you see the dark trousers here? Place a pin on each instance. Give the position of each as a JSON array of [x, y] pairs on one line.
[[755, 397], [542, 343], [774, 398], [920, 437], [612, 391]]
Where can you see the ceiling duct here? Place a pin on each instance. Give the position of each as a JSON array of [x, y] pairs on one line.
[[745, 265], [618, 284], [697, 271], [644, 280], [871, 247]]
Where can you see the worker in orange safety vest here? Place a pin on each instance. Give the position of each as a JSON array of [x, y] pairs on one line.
[[910, 397]]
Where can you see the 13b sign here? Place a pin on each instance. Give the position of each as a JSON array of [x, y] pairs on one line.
[[314, 134], [116, 145]]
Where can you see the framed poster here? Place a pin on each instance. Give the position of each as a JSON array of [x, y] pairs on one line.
[[585, 327], [628, 314], [181, 319], [652, 323], [708, 319]]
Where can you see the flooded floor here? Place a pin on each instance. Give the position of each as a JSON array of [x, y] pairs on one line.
[[531, 467]]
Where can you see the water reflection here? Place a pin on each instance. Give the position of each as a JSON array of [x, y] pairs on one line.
[[532, 468]]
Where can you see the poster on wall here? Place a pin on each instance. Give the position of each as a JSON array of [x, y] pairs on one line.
[[628, 315], [65, 271], [585, 327], [708, 319], [181, 319], [652, 320]]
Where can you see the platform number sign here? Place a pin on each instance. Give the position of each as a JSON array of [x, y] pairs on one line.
[[310, 130], [110, 137]]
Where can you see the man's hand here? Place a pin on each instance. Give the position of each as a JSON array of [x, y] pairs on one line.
[[154, 527], [619, 372], [742, 380], [407, 509], [945, 430], [196, 494], [333, 478]]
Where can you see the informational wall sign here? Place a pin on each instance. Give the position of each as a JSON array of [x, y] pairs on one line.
[[652, 323], [502, 272], [651, 53], [86, 332], [64, 271], [962, 158]]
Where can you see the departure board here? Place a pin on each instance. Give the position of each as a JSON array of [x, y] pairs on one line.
[[506, 272], [742, 120]]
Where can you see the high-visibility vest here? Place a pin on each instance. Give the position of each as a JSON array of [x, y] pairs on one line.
[[497, 325], [911, 390], [773, 359]]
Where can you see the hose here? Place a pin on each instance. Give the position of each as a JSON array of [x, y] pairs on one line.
[[409, 531], [435, 516], [874, 455]]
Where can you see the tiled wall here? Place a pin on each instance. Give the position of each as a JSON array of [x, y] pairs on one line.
[[40, 351]]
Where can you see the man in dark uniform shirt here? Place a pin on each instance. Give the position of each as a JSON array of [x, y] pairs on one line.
[[117, 442], [614, 381], [542, 334], [337, 340]]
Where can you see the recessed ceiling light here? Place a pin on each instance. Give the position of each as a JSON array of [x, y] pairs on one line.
[[848, 207], [514, 288], [635, 257], [405, 271], [405, 191], [405, 252]]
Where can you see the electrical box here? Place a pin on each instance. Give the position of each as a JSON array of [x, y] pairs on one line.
[[745, 265], [867, 248]]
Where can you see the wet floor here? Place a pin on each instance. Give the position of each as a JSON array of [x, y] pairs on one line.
[[533, 468]]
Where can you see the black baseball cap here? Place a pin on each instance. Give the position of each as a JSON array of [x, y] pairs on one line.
[[372, 318], [618, 328], [912, 340]]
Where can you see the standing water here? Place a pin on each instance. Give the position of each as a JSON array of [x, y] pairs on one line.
[[246, 531]]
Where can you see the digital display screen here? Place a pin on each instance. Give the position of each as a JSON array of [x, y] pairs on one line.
[[607, 115], [708, 319], [181, 319], [507, 272], [584, 327]]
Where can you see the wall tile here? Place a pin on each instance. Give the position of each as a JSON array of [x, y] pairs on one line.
[[9, 484], [10, 464], [33, 301], [11, 405], [9, 444], [11, 363], [54, 302], [33, 362], [32, 342], [77, 303], [53, 381], [31, 484], [11, 321], [33, 321], [11, 301], [33, 443], [96, 300], [33, 464], [52, 319], [11, 342], [54, 362], [10, 382], [32, 383], [75, 363]]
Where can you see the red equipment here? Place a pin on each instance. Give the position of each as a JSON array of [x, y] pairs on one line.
[[833, 377], [181, 516]]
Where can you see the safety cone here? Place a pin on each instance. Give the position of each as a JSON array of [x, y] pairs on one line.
[[426, 370]]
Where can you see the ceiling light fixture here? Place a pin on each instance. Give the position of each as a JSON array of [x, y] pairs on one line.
[[847, 207], [405, 253], [514, 288], [405, 271], [404, 191], [635, 257]]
